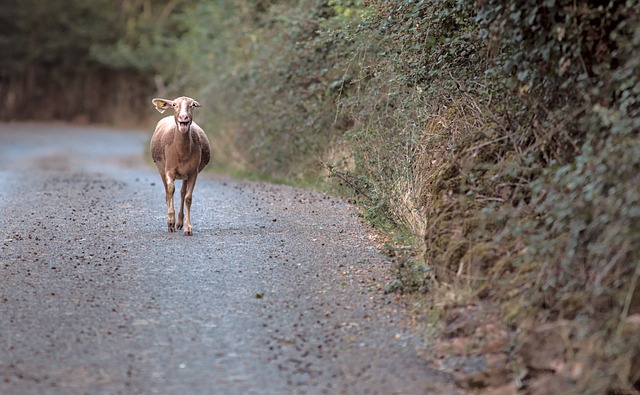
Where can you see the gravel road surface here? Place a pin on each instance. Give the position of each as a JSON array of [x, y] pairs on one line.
[[277, 292]]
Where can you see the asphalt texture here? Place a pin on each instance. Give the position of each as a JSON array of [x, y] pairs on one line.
[[278, 291]]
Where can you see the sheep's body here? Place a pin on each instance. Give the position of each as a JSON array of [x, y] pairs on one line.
[[180, 150], [162, 146]]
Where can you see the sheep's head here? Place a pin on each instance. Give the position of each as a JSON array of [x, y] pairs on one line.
[[182, 110]]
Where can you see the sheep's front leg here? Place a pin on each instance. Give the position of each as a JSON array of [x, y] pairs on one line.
[[187, 197], [171, 212], [183, 194]]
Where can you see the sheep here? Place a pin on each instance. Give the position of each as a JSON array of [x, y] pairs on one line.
[[180, 150]]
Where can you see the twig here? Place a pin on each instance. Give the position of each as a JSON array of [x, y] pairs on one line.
[[334, 173]]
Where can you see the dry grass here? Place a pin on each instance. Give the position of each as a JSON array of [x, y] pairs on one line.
[[468, 201]]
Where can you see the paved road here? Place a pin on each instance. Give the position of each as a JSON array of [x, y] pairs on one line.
[[277, 292]]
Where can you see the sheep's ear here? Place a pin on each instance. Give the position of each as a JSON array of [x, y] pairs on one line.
[[196, 104], [162, 104]]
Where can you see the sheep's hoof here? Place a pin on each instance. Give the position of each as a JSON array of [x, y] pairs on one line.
[[171, 227], [179, 226], [188, 233]]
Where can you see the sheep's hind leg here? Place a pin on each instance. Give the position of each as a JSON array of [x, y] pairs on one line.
[[171, 212], [183, 194], [188, 197]]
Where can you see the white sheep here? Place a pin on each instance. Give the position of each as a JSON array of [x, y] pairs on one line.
[[180, 150]]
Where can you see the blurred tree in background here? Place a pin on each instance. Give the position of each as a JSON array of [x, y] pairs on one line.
[[93, 61]]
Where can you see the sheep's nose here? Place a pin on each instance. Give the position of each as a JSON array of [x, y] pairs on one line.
[[183, 117]]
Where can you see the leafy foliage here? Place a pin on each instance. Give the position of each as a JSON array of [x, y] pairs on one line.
[[506, 133], [270, 80]]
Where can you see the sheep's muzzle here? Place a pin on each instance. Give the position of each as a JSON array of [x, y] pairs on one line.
[[183, 126]]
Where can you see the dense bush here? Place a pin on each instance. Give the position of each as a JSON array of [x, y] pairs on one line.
[[269, 82], [502, 134], [579, 67], [525, 166]]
